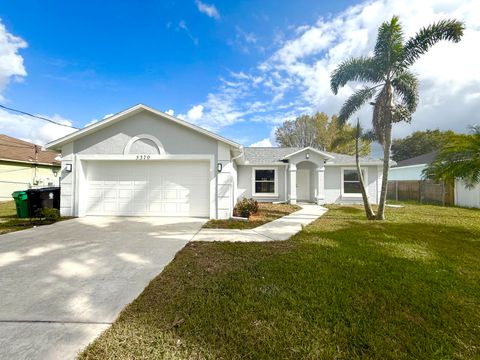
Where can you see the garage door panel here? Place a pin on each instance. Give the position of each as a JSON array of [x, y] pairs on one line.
[[163, 188]]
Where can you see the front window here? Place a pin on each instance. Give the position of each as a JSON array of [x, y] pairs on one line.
[[264, 181], [351, 182]]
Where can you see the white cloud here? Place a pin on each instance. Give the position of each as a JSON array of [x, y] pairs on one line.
[[11, 62], [208, 9], [262, 143], [170, 112], [34, 130], [295, 78], [91, 122], [182, 25], [107, 116], [22, 126], [193, 115]]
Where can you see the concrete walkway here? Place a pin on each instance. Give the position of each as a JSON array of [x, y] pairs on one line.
[[280, 229]]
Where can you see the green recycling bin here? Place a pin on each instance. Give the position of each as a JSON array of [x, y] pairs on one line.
[[21, 203]]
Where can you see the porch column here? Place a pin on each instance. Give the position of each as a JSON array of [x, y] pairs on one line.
[[293, 184], [320, 185]]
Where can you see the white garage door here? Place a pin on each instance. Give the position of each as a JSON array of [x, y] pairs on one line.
[[150, 188]]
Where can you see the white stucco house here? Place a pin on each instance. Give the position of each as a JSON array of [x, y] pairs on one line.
[[143, 162]]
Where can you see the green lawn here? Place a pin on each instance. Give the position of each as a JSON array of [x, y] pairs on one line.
[[9, 221], [266, 212], [343, 288]]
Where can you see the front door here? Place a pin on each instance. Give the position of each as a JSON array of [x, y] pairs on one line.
[[303, 184]]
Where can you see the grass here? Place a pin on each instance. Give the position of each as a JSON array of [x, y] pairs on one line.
[[9, 221], [343, 288], [266, 212]]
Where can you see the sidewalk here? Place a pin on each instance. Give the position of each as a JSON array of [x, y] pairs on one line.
[[280, 229]]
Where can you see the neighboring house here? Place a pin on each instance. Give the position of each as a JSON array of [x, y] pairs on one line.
[[143, 162], [411, 169], [24, 165]]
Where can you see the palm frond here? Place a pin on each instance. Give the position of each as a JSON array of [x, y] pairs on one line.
[[475, 129], [389, 46], [355, 102], [450, 30], [354, 69], [369, 136], [406, 85], [460, 159]]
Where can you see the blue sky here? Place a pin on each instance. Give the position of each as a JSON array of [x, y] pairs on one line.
[[236, 67]]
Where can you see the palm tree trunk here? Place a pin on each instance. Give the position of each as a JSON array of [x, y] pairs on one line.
[[366, 204], [387, 145]]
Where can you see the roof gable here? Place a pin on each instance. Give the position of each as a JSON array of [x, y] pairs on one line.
[[126, 114], [309, 148]]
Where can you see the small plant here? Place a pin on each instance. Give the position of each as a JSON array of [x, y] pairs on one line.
[[49, 214], [245, 207]]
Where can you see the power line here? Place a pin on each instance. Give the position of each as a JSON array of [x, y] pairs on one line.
[[37, 117]]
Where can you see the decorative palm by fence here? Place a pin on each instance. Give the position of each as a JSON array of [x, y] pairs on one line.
[[422, 191]]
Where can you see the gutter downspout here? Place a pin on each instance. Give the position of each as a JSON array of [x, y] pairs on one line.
[[238, 156], [242, 152]]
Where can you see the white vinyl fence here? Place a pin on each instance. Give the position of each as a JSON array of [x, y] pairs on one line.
[[467, 197]]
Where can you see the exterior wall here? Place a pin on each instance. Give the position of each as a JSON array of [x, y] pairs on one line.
[[66, 183], [467, 197], [333, 185], [413, 172], [19, 176], [244, 187], [176, 141]]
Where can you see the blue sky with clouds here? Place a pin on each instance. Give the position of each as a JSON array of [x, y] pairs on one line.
[[239, 68]]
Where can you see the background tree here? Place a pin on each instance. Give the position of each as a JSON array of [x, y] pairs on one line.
[[419, 143], [389, 81], [322, 133], [459, 158]]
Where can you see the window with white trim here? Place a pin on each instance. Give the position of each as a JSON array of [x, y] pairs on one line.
[[351, 182], [264, 181]]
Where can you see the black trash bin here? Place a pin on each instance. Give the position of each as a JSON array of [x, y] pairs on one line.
[[43, 198]]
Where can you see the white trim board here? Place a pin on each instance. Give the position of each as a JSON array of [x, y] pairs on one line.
[[353, 195], [275, 193]]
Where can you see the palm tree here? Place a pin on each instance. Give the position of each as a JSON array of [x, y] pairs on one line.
[[389, 81], [458, 159], [368, 136]]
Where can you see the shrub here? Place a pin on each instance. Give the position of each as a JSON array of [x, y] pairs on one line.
[[49, 214], [245, 207]]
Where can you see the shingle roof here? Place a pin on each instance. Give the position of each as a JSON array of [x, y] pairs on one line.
[[271, 155], [18, 150], [267, 155], [418, 160]]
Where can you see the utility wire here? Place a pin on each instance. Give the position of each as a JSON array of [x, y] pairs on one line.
[[37, 117]]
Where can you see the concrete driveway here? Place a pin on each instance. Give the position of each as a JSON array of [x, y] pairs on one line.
[[61, 285]]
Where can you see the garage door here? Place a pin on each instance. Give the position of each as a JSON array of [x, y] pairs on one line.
[[153, 188]]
